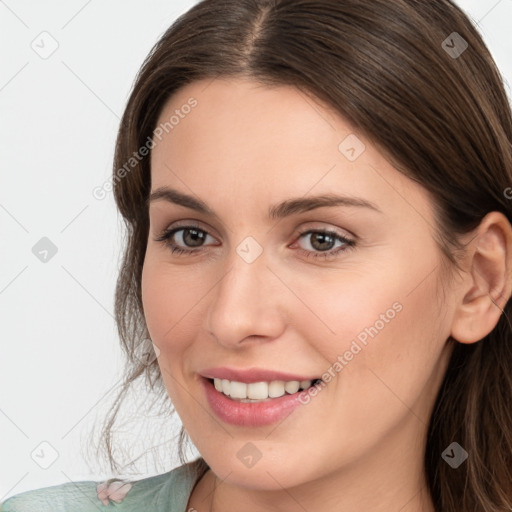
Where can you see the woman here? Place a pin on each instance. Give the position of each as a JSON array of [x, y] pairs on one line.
[[319, 253]]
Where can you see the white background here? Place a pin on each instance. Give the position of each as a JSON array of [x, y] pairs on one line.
[[60, 357]]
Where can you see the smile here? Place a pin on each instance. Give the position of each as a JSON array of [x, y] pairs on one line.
[[260, 391], [254, 412]]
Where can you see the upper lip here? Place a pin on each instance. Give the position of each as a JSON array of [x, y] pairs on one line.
[[251, 375]]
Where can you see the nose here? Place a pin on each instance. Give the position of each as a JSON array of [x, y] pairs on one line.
[[246, 304]]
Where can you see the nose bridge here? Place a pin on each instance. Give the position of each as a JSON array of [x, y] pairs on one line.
[[243, 304]]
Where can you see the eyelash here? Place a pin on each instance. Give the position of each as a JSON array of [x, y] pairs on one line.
[[167, 235]]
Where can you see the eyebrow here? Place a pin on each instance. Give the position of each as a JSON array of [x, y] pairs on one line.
[[277, 211]]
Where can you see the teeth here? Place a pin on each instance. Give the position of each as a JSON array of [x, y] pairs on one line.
[[256, 391], [293, 386], [276, 388], [238, 390], [305, 384]]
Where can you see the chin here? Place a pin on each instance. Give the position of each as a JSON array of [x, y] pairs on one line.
[[263, 475]]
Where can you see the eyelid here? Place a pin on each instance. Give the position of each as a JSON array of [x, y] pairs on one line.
[[308, 227], [349, 241], [190, 223], [326, 227]]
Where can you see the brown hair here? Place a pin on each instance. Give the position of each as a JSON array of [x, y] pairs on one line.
[[443, 120]]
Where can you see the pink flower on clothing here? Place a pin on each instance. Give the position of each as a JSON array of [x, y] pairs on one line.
[[115, 490]]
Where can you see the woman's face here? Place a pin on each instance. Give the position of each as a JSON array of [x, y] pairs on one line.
[[260, 294]]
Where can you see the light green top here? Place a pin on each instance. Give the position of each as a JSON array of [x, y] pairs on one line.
[[168, 492]]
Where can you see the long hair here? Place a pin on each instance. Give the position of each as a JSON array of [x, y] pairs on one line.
[[417, 80]]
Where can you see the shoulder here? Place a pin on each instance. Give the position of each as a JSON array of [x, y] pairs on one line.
[[167, 492]]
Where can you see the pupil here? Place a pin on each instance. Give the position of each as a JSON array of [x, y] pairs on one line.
[[322, 237], [196, 236]]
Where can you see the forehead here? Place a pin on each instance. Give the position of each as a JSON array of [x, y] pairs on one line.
[[226, 112], [266, 142]]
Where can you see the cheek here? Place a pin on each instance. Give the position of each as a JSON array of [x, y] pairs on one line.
[[377, 324], [160, 301], [391, 356], [165, 301], [172, 301]]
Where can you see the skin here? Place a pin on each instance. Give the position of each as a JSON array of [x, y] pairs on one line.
[[359, 444]]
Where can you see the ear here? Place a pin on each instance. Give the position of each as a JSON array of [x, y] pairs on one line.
[[488, 283]]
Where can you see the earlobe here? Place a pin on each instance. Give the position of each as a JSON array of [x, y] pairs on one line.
[[489, 277]]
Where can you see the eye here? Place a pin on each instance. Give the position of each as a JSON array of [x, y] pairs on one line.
[[324, 241], [190, 236]]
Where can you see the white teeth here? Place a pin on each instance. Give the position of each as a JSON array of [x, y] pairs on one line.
[[226, 385], [304, 384], [238, 390], [277, 388], [292, 387], [259, 390]]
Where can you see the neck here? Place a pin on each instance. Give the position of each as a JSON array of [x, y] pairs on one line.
[[327, 494]]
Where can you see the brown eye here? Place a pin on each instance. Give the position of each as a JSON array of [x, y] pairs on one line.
[[322, 243], [192, 237], [187, 237]]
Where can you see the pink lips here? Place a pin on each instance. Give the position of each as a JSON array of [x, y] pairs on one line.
[[249, 414]]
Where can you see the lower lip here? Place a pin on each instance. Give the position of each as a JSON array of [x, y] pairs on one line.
[[249, 414]]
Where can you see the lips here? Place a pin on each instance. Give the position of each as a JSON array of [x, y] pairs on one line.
[[249, 414], [253, 375], [258, 412]]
